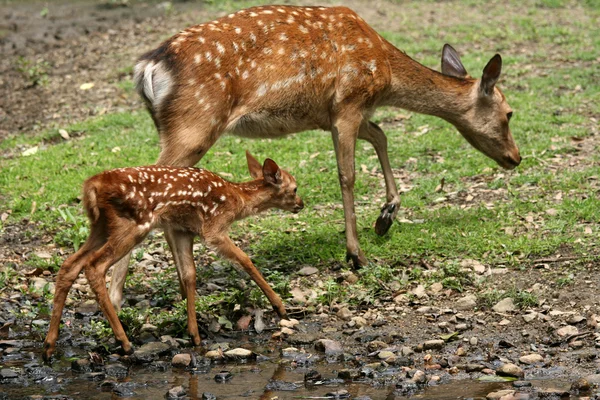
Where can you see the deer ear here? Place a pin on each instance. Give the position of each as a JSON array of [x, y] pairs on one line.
[[254, 166], [491, 73], [451, 64], [271, 172]]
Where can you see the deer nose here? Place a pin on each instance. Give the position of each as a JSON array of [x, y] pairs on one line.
[[512, 160], [299, 205]]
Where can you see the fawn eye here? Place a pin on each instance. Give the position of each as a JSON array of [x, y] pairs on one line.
[[509, 115], [295, 190]]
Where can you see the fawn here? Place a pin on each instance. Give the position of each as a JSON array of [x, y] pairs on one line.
[[124, 205], [271, 71]]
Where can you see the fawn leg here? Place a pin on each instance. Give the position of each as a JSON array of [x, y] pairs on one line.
[[182, 242], [224, 246], [117, 281], [64, 280], [344, 133], [373, 134]]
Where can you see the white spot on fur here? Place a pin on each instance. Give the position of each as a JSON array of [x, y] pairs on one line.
[[201, 39], [220, 48], [283, 37]]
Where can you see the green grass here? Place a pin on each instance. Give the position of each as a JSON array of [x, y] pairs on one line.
[[555, 96]]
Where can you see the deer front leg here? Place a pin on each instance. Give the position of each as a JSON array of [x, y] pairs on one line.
[[181, 244], [373, 134], [344, 133], [224, 246]]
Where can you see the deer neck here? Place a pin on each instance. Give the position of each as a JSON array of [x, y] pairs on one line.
[[420, 89], [254, 198]]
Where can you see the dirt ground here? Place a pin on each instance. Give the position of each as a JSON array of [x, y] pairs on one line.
[[94, 42]]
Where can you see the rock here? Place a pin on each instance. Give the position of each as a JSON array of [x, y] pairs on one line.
[[344, 313], [436, 288], [148, 328], [116, 370], [474, 367], [239, 354], [406, 351], [499, 394], [288, 323], [350, 277], [474, 265], [505, 306], [348, 374], [38, 284], [313, 376], [461, 352], [593, 379], [150, 352], [581, 385], [466, 303], [208, 396], [433, 344], [181, 360], [509, 369], [575, 319], [473, 341], [418, 377], [287, 331], [419, 291], [521, 384], [385, 355], [462, 327], [81, 365], [359, 321], [530, 317], [302, 338], [329, 347], [176, 392], [7, 373], [214, 355], [277, 385], [338, 394], [531, 359], [223, 376], [552, 393], [567, 331], [504, 322], [307, 271], [121, 390]]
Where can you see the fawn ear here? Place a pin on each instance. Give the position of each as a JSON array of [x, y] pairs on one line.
[[451, 64], [491, 73], [256, 170], [271, 172]]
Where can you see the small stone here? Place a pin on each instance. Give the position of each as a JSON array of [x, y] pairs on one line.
[[239, 353], [116, 370], [359, 321], [406, 351], [474, 367], [214, 355], [531, 359], [504, 306], [436, 288], [419, 291], [81, 365], [121, 390], [176, 392], [348, 374], [499, 394], [461, 352], [593, 379], [419, 377], [287, 331], [208, 396], [344, 313], [504, 322], [181, 360], [384, 355], [329, 347], [473, 341], [581, 385], [576, 344], [148, 328], [521, 384], [433, 344], [7, 373], [288, 323], [474, 265], [150, 352], [509, 369], [307, 271], [466, 303], [567, 331], [529, 317], [223, 376], [462, 327]]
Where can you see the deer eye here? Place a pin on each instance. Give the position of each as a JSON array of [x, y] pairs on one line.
[[509, 115], [295, 190]]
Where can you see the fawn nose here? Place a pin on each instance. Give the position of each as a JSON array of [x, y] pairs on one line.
[[299, 205], [512, 160]]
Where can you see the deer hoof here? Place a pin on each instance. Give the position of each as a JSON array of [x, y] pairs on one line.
[[47, 353], [358, 260], [385, 220]]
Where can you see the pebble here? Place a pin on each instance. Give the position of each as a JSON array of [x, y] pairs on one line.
[[433, 344], [148, 328], [344, 313], [214, 355], [567, 331], [288, 323], [150, 352], [473, 341], [531, 359], [385, 355], [466, 303], [239, 353], [499, 394], [181, 360], [581, 385], [504, 306], [419, 377], [509, 369], [521, 384], [176, 392], [307, 271], [359, 321], [223, 376], [208, 396], [329, 347]]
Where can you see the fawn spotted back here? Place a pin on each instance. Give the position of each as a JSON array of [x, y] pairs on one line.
[[274, 70], [125, 204]]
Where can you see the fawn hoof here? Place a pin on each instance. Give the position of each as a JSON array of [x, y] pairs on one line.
[[281, 312], [358, 260], [47, 352], [385, 219]]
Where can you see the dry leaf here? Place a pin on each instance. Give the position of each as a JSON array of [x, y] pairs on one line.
[[86, 86], [64, 134], [29, 152]]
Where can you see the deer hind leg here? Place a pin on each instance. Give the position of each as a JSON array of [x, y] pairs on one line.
[[182, 242], [64, 280], [344, 134], [373, 134], [95, 272]]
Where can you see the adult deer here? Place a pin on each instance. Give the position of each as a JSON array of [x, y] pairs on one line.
[[124, 205], [270, 71]]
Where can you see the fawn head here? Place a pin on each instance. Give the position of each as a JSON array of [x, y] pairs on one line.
[[485, 124], [281, 184]]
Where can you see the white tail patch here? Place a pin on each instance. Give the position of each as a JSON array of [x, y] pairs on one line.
[[153, 81]]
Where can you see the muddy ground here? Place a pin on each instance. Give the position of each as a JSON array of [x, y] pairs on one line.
[[387, 346]]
